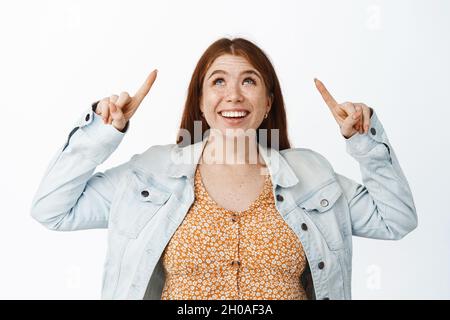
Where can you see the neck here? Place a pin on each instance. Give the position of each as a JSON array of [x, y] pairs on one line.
[[238, 152]]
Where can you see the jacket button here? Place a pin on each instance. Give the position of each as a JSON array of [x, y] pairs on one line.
[[280, 197], [324, 202], [304, 226], [88, 116], [373, 131], [144, 193], [321, 265]]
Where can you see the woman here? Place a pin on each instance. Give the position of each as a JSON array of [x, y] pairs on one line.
[[230, 211]]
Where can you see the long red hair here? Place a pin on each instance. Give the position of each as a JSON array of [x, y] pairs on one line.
[[258, 59]]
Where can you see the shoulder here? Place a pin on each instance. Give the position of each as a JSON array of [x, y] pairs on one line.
[[154, 157], [306, 157], [309, 165]]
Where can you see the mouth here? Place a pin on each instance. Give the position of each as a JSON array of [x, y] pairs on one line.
[[234, 117]]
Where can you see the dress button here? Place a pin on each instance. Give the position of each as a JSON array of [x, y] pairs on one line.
[[321, 265], [235, 263], [324, 202], [145, 193], [88, 116], [373, 131], [280, 197], [304, 226]]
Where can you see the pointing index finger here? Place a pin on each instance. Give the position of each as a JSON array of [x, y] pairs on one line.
[[326, 95], [145, 88]]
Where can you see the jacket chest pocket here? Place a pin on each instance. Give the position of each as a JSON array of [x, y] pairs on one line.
[[322, 209], [140, 201]]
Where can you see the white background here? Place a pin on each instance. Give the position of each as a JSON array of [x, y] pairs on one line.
[[59, 56]]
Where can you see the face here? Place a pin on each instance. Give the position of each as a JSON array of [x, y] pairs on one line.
[[234, 95]]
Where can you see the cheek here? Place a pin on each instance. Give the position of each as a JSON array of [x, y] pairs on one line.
[[259, 102], [211, 100]]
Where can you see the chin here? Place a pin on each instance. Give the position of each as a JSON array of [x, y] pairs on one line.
[[238, 131]]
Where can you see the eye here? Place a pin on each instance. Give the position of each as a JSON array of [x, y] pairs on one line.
[[218, 79], [251, 79]]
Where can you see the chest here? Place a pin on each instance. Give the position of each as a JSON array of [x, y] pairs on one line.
[[232, 191]]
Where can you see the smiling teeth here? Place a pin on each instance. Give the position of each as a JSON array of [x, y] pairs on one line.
[[233, 114]]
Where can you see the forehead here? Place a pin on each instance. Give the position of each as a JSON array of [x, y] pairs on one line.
[[230, 62]]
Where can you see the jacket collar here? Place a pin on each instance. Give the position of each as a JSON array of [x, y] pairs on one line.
[[184, 161]]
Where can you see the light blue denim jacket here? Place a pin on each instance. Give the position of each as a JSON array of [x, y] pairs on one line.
[[322, 207]]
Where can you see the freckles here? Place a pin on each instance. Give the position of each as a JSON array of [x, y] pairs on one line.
[[211, 103], [212, 95], [256, 98]]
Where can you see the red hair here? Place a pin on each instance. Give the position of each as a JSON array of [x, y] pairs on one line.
[[258, 59]]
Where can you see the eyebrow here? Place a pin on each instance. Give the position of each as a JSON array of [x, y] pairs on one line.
[[243, 72]]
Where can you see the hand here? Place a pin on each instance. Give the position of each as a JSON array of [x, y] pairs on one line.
[[351, 117], [117, 110]]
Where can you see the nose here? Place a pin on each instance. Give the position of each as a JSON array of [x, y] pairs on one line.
[[234, 93]]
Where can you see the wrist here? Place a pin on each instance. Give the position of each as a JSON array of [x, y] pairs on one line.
[[122, 129]]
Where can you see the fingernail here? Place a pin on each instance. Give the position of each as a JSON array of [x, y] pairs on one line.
[[315, 79], [156, 70]]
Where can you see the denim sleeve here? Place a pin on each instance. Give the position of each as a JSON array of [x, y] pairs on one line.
[[70, 195], [383, 206]]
